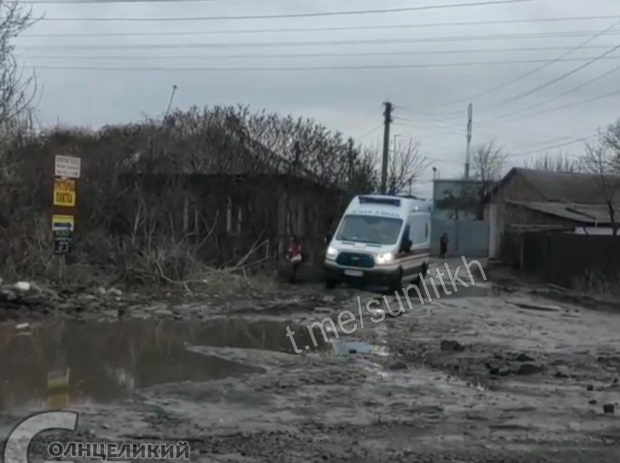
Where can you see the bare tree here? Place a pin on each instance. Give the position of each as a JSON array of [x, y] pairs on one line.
[[611, 137], [602, 159], [488, 163], [406, 163], [16, 91], [487, 166], [554, 162]]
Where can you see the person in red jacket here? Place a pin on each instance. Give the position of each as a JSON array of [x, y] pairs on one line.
[[295, 256]]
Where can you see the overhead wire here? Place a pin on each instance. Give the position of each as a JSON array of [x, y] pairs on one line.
[[295, 15], [325, 29], [312, 43], [558, 78], [568, 105], [297, 55], [291, 68], [539, 68], [223, 18], [370, 132], [445, 127], [519, 114], [558, 145]]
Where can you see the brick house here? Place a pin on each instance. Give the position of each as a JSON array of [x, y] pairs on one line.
[[529, 200]]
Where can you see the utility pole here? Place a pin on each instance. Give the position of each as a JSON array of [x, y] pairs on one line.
[[470, 114], [350, 159], [387, 115]]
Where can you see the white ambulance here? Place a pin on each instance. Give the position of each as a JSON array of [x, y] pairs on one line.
[[380, 240]]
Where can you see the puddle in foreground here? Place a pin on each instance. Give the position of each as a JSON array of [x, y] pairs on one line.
[[342, 347], [69, 363]]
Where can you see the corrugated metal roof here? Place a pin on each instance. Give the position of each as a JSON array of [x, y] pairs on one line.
[[568, 186], [582, 213], [562, 186]]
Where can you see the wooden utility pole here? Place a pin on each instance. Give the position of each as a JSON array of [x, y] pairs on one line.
[[387, 120], [350, 160]]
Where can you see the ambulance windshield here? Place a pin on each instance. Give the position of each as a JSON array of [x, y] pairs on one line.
[[370, 229]]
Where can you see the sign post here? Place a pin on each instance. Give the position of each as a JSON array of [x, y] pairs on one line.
[[67, 170]]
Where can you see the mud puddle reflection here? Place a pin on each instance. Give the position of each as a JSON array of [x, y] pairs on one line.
[[62, 364], [345, 347]]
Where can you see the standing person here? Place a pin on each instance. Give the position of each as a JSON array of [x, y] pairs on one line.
[[295, 256], [443, 246]]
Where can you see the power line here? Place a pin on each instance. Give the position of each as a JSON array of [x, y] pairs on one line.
[[569, 105], [511, 116], [559, 145], [370, 132], [437, 39], [540, 68], [301, 15], [323, 29], [292, 68], [293, 55], [94, 2], [557, 79]]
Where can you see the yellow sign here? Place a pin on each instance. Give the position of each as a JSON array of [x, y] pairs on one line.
[[58, 378], [64, 192], [63, 222], [58, 385], [58, 401]]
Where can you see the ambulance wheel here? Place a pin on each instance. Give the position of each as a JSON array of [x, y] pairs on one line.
[[330, 284], [424, 269], [422, 275], [396, 284]]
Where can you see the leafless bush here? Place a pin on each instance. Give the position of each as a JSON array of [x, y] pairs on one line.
[[152, 196]]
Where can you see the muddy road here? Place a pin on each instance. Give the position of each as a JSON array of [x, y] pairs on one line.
[[485, 374]]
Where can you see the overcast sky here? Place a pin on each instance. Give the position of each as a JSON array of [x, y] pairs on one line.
[[428, 74]]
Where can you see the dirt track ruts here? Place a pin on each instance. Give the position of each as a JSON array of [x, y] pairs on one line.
[[507, 384]]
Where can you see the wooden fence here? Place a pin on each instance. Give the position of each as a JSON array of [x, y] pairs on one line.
[[563, 258]]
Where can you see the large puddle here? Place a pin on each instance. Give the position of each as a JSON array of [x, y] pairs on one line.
[[52, 365]]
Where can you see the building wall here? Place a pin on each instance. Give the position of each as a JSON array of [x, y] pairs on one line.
[[443, 188], [572, 260], [227, 219], [467, 236], [516, 189], [520, 219]]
